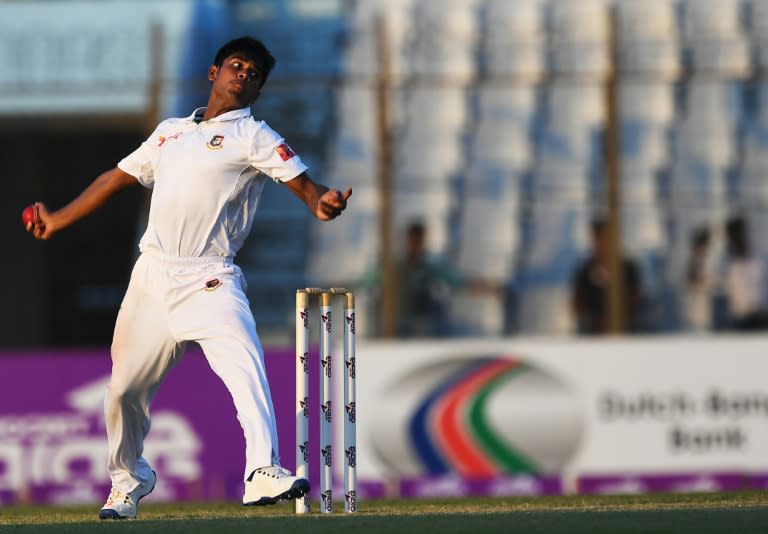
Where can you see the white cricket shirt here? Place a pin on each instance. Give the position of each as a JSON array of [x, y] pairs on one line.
[[205, 181]]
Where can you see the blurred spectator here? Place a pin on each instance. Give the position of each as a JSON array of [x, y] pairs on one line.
[[590, 283], [424, 284], [699, 281], [745, 280]]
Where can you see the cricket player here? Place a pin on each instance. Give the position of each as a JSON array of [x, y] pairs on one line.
[[206, 172]]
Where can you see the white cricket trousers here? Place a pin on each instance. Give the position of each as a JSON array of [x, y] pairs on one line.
[[169, 302]]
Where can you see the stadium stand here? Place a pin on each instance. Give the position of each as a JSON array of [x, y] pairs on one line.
[[502, 153]]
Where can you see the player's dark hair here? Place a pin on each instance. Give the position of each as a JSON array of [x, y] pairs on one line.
[[251, 49]]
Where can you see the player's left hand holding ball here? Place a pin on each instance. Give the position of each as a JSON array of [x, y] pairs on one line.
[[34, 217]]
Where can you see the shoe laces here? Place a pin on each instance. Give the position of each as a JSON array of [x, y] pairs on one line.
[[117, 497], [274, 471]]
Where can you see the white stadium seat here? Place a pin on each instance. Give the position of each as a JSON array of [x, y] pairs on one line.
[[757, 215], [758, 16], [514, 39], [427, 160], [578, 21], [477, 315], [522, 61], [444, 39], [360, 56], [753, 178], [696, 187], [709, 141], [723, 56], [712, 97], [428, 140], [503, 19], [704, 19], [639, 185], [544, 310], [572, 122], [643, 20], [642, 228], [354, 148], [579, 33], [514, 105], [584, 59], [500, 144], [644, 145], [647, 32], [560, 181], [761, 114], [435, 110], [488, 235], [758, 32], [569, 103], [658, 59], [557, 237], [648, 101]]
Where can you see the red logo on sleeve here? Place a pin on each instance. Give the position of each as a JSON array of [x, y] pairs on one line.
[[285, 152]]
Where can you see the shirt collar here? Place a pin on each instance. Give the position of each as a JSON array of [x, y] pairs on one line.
[[242, 113]]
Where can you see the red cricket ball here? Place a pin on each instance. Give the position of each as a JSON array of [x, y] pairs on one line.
[[29, 215]]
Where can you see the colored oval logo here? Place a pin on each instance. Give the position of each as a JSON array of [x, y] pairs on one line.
[[479, 418]]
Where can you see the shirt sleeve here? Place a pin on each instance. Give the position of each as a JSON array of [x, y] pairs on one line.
[[270, 154], [141, 162]]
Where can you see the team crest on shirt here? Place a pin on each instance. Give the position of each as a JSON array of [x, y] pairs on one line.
[[215, 142], [285, 152]]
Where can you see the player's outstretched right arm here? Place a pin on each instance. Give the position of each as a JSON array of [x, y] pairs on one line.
[[92, 198]]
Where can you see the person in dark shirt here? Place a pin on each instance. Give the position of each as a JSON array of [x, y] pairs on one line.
[[424, 285], [590, 284]]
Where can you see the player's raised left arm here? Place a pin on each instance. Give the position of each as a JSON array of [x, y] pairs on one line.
[[323, 202]]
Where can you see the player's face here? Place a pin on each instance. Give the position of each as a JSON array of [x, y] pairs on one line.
[[238, 80]]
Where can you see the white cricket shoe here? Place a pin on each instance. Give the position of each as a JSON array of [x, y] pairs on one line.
[[121, 505], [267, 485]]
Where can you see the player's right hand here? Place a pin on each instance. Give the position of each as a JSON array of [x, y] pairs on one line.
[[38, 226]]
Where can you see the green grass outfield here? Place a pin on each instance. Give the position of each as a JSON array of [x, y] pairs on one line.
[[734, 513]]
